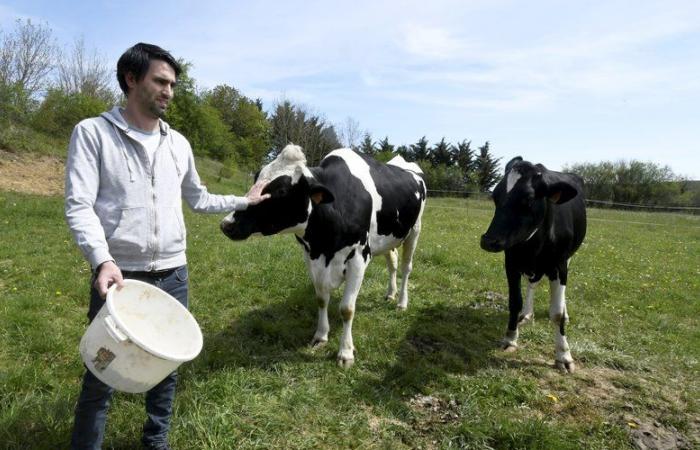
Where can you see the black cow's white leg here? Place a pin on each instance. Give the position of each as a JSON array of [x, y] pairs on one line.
[[559, 318], [392, 264], [528, 313], [515, 305], [353, 281], [409, 248], [323, 296]]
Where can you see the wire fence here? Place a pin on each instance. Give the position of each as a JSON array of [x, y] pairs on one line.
[[595, 203]]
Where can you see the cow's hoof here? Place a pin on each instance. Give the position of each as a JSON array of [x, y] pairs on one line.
[[390, 298], [526, 319], [566, 366], [509, 346], [316, 342], [345, 363]]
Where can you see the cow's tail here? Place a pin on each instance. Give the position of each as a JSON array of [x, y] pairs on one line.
[[398, 161]]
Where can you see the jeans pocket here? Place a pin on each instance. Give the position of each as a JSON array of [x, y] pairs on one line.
[[181, 274]]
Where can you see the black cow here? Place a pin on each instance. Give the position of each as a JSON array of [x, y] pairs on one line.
[[540, 222], [344, 211]]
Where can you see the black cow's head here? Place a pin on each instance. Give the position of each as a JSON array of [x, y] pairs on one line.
[[292, 190], [522, 199]]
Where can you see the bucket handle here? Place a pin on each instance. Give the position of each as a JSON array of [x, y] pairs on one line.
[[113, 331]]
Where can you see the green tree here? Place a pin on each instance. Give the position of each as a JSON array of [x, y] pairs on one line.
[[486, 169], [245, 120], [443, 180], [463, 155], [61, 111], [290, 123], [632, 181], [367, 145], [199, 122], [385, 146], [419, 151], [441, 154]]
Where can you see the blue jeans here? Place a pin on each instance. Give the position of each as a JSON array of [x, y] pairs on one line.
[[95, 396]]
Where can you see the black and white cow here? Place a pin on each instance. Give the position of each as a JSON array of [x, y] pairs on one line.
[[344, 211], [540, 221]]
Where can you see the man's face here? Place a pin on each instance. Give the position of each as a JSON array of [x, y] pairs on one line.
[[153, 93]]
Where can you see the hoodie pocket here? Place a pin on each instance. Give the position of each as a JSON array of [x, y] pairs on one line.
[[173, 231], [131, 232]]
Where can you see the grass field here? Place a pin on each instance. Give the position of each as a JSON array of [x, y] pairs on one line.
[[429, 377]]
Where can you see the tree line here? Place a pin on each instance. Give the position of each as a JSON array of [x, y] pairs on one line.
[[48, 89]]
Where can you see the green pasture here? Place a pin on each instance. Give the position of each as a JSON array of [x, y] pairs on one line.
[[429, 377]]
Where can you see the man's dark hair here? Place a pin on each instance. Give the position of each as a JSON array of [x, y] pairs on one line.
[[138, 58]]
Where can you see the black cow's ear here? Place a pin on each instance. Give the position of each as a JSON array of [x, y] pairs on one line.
[[320, 194], [560, 191], [512, 162]]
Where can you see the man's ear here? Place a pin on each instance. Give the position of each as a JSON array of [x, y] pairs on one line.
[[320, 194]]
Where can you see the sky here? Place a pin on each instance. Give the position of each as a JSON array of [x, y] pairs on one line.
[[556, 82]]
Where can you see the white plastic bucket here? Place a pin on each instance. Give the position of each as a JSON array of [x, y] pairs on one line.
[[139, 336]]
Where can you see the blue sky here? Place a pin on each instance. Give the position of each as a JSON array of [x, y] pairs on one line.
[[557, 82]]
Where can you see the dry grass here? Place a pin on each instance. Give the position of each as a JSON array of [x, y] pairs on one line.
[[31, 174]]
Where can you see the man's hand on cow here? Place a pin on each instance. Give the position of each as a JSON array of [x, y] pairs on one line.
[[255, 194], [108, 274]]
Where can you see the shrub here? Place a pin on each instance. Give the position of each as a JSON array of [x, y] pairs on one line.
[[60, 112]]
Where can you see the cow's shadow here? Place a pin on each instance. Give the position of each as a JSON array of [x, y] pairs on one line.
[[440, 340], [263, 337], [444, 340]]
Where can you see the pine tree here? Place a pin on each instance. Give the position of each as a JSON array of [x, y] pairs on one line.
[[486, 169], [384, 146], [367, 145], [419, 151], [464, 158], [441, 154]]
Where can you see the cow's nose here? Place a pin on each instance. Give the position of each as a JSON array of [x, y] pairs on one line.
[[491, 244], [225, 224]]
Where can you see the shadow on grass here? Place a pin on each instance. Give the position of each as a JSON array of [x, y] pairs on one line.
[[264, 337], [444, 340]]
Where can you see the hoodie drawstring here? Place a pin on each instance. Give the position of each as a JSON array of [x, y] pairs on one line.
[[177, 167], [126, 156]]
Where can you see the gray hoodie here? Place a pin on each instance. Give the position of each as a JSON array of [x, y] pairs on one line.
[[119, 207]]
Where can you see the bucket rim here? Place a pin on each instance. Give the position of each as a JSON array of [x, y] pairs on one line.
[[109, 301]]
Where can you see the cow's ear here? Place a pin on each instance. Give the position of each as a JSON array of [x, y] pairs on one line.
[[320, 194], [512, 162], [560, 191]]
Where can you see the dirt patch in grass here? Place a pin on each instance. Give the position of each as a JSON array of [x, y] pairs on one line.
[[652, 435], [434, 410], [617, 396], [31, 174]]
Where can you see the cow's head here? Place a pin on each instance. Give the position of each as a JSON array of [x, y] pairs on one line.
[[293, 190], [522, 199]]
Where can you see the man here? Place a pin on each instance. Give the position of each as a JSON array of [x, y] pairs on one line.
[[126, 175]]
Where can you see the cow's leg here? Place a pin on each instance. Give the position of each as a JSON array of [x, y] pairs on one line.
[[559, 318], [323, 295], [409, 248], [528, 313], [355, 272], [392, 263], [515, 305]]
